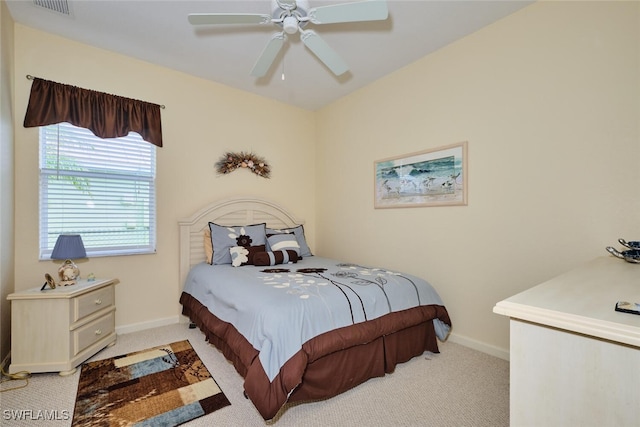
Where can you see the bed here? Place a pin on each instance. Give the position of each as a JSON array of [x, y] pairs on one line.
[[297, 328]]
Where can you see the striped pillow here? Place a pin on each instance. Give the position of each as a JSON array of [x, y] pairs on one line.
[[283, 242], [298, 231]]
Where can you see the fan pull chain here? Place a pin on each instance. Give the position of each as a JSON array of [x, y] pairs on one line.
[[282, 69]]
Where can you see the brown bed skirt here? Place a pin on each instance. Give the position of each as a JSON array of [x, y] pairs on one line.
[[328, 364]]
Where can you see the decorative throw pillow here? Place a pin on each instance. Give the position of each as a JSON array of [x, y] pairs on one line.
[[208, 249], [223, 238], [241, 255], [298, 231], [283, 242], [275, 257]]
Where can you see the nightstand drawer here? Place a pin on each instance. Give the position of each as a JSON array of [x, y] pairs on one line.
[[93, 332], [87, 304]]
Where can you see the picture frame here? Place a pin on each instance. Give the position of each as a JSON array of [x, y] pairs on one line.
[[433, 177], [48, 282]]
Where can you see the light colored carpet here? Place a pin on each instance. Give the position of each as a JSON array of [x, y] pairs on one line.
[[458, 387]]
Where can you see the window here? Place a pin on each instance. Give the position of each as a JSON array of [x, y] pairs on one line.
[[102, 189]]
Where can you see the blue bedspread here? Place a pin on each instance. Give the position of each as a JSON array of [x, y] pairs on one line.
[[279, 308]]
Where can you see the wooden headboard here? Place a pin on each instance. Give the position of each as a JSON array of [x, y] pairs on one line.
[[231, 212]]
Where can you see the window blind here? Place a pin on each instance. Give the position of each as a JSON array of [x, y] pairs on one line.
[[102, 189]]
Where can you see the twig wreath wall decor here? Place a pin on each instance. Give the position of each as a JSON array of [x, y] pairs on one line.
[[232, 161]]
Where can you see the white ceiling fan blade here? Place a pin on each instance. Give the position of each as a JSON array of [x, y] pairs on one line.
[[228, 18], [268, 55], [324, 52], [374, 10]]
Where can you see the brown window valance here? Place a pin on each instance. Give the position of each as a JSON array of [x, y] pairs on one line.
[[107, 116]]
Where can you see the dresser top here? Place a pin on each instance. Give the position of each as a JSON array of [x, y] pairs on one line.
[[81, 287], [583, 301]]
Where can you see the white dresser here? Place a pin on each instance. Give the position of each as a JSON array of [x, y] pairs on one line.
[[575, 361], [58, 329]]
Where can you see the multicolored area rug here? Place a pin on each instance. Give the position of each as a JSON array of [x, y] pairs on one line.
[[162, 386]]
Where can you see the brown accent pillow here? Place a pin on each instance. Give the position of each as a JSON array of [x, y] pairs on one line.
[[275, 257], [253, 250]]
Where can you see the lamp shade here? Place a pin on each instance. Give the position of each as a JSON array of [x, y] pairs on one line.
[[69, 246]]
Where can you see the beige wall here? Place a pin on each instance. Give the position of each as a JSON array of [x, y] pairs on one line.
[[6, 176], [549, 101], [201, 121]]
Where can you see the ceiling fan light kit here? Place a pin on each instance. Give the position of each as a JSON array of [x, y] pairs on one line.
[[292, 16], [290, 25]]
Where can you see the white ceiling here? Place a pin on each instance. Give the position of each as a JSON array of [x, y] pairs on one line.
[[158, 32]]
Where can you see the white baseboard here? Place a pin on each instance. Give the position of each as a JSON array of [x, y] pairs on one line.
[[135, 327], [480, 346]]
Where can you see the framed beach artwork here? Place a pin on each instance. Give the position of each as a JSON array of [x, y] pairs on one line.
[[435, 177]]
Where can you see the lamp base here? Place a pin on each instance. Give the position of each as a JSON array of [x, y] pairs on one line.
[[68, 273]]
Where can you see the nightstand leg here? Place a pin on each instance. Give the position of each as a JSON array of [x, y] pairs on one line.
[[67, 373]]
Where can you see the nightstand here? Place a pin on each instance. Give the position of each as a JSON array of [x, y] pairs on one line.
[[58, 329]]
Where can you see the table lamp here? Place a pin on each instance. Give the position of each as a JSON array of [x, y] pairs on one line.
[[68, 247]]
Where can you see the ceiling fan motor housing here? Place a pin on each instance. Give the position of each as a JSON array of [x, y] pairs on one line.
[[290, 12]]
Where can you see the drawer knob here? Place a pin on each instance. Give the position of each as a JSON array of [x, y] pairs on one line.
[[98, 301], [98, 332]]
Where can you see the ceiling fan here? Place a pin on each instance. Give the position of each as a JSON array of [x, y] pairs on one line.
[[293, 16]]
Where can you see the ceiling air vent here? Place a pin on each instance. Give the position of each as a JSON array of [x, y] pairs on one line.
[[60, 6]]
